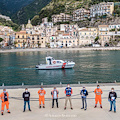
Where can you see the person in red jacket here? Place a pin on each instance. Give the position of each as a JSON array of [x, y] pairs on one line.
[[5, 101], [41, 94]]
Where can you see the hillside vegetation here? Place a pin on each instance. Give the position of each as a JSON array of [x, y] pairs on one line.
[[66, 6]]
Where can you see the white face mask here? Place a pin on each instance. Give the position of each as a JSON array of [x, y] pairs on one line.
[[26, 90], [68, 86], [112, 90]]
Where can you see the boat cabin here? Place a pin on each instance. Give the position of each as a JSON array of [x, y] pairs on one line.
[[52, 61]]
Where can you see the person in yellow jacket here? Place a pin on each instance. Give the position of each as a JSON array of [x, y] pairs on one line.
[[41, 94], [5, 101]]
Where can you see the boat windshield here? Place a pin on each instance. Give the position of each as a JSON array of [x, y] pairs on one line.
[[53, 59]]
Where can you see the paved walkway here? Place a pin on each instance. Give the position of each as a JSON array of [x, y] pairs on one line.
[[48, 113]]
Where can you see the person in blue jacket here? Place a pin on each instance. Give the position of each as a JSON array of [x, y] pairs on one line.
[[84, 94]]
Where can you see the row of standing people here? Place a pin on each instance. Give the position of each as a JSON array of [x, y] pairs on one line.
[[68, 91]]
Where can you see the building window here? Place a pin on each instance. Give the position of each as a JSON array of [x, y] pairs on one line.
[[23, 36], [32, 38], [18, 36]]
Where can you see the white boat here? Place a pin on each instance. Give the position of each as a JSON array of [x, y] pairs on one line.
[[51, 63]]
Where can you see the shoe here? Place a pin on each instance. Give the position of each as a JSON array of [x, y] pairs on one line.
[[64, 108], [82, 108], [2, 113], [43, 106], [100, 106], [114, 111], [8, 112], [23, 110], [95, 106], [57, 107], [40, 107], [71, 108], [52, 107], [85, 109], [110, 110], [30, 110]]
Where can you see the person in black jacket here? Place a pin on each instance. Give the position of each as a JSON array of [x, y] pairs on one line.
[[26, 96], [112, 98], [84, 94]]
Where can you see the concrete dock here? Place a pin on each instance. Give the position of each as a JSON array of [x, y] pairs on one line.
[[49, 113]]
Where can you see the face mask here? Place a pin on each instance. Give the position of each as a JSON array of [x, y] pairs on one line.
[[54, 89], [83, 88], [112, 90], [41, 88], [26, 90], [68, 86], [4, 91], [98, 87]]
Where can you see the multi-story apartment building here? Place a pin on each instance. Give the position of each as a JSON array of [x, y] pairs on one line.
[[102, 9], [104, 36], [87, 36], [117, 26], [80, 14], [37, 40], [71, 29], [67, 40], [5, 17], [62, 17], [21, 39]]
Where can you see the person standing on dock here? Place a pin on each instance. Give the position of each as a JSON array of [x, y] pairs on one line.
[[54, 94], [68, 91], [84, 94], [112, 98], [41, 94], [26, 96], [5, 101], [98, 92]]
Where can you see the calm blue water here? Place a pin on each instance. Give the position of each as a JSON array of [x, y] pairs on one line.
[[91, 66]]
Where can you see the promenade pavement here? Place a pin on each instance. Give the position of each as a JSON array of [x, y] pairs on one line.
[[49, 113]]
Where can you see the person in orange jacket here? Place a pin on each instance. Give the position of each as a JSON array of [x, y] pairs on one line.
[[5, 101], [98, 92], [41, 94]]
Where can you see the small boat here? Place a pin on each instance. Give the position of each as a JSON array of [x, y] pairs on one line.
[[51, 63]]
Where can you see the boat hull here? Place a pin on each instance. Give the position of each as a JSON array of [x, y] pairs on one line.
[[50, 67]]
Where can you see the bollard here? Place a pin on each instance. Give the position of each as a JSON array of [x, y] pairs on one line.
[[3, 85], [41, 83], [78, 82], [115, 81], [97, 82], [22, 84], [60, 83]]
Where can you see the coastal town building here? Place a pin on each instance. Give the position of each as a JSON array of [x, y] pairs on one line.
[[37, 41], [68, 41], [22, 39], [104, 36], [87, 36], [104, 8], [80, 14], [7, 34], [62, 17], [114, 26], [5, 17]]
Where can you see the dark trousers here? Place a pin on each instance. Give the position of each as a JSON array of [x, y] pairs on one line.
[[56, 102], [84, 101], [25, 105]]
